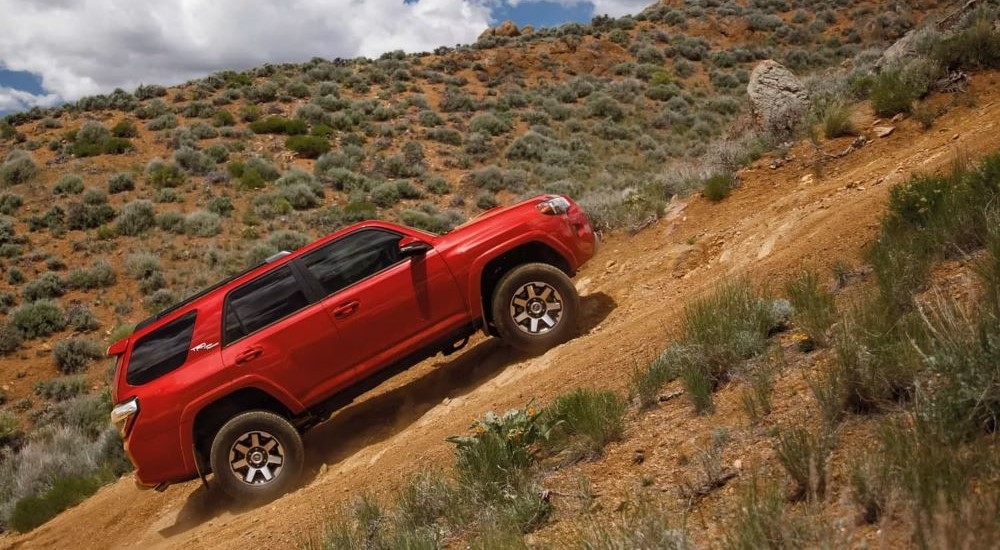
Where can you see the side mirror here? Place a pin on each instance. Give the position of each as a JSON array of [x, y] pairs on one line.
[[411, 246]]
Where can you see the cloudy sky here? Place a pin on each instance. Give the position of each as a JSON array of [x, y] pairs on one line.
[[53, 51]]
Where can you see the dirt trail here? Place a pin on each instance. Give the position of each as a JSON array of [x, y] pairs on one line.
[[778, 221]]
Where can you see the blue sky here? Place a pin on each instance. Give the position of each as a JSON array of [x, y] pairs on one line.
[[53, 51]]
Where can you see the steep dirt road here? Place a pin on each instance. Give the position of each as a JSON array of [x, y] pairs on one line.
[[779, 221]]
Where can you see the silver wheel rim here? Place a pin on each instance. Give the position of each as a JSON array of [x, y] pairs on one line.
[[536, 308], [256, 458]]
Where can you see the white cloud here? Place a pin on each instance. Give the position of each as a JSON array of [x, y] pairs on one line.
[[19, 100], [614, 8], [84, 47], [618, 8]]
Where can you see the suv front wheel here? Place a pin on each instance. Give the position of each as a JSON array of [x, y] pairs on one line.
[[535, 307], [257, 456]]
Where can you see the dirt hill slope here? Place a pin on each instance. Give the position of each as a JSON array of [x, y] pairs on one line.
[[778, 221]]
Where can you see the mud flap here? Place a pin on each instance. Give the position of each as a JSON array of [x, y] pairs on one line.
[[198, 466]]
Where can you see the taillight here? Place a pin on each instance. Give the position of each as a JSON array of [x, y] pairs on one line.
[[123, 415], [554, 206]]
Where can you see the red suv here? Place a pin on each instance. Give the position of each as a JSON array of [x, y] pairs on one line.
[[228, 379]]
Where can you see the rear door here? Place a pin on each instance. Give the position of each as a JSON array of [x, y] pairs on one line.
[[271, 328]]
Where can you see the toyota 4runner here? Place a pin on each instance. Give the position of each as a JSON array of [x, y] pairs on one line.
[[227, 380]]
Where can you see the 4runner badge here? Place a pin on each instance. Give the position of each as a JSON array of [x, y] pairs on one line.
[[204, 347]]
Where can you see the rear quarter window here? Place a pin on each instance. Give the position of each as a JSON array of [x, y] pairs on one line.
[[161, 351]]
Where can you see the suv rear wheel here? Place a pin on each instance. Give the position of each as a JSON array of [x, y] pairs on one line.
[[257, 456], [535, 307]]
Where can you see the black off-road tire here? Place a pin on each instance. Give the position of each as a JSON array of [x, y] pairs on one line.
[[257, 456], [535, 307]]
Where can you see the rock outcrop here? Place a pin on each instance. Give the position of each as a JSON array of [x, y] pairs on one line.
[[507, 29], [778, 98]]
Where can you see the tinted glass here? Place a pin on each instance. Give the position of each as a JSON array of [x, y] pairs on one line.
[[261, 302], [352, 258], [161, 351]]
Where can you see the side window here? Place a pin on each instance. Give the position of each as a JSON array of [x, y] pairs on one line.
[[161, 351], [260, 302], [350, 259]]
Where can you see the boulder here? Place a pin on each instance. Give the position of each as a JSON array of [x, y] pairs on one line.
[[506, 29], [901, 50], [777, 97]]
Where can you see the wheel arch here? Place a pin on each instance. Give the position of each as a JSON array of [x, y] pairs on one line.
[[210, 418], [495, 269]]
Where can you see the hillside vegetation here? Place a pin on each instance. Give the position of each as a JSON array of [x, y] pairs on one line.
[[119, 205]]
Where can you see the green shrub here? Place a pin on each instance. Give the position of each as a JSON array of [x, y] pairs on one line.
[[438, 185], [722, 329], [500, 450], [279, 125], [762, 521], [18, 168], [88, 215], [877, 363], [837, 120], [142, 265], [359, 210], [73, 355], [120, 182], [647, 382], [48, 285], [162, 174], [871, 484], [489, 123], [65, 492], [15, 276], [300, 196], [961, 354], [171, 221], [814, 307], [80, 318], [308, 146], [202, 224], [63, 388], [162, 122], [804, 456], [223, 118], [99, 275], [222, 206], [448, 136], [10, 338], [891, 94], [125, 128], [135, 218], [166, 195], [585, 420], [486, 200], [977, 47], [190, 160], [756, 395], [429, 218], [36, 319], [68, 184], [288, 240], [10, 203], [160, 299], [718, 187], [385, 194]]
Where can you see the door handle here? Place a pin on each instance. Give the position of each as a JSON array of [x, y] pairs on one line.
[[249, 354], [346, 310]]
